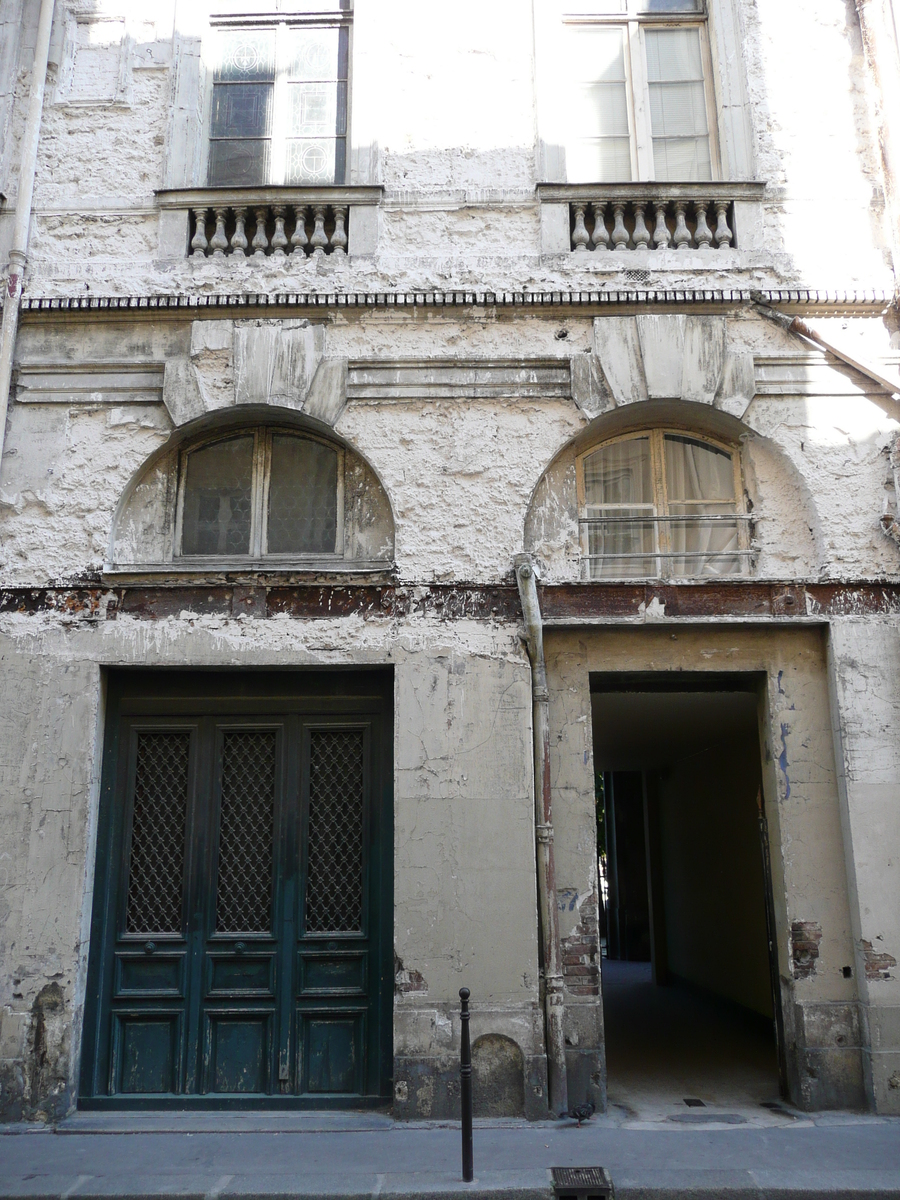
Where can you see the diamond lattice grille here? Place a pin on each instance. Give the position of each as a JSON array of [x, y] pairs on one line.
[[334, 888], [244, 896], [156, 872]]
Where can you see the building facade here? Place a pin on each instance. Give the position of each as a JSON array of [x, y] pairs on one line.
[[419, 426]]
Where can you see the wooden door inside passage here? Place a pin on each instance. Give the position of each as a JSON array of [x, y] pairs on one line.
[[241, 938]]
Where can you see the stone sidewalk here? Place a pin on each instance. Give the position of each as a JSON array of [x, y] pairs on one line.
[[245, 1156]]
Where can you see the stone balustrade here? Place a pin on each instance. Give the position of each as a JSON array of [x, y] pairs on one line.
[[696, 224], [275, 229], [271, 222], [651, 216]]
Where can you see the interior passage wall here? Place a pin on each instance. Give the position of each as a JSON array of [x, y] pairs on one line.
[[712, 872]]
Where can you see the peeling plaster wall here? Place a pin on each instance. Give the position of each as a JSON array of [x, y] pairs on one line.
[[800, 783], [453, 139], [463, 787], [865, 670], [816, 467]]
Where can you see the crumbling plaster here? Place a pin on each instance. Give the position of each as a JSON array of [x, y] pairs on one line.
[[817, 468]]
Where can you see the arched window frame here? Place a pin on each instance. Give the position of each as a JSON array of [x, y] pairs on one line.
[[662, 553], [259, 499]]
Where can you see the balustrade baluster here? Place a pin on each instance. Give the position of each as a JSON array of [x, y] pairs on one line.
[[319, 239], [581, 239], [641, 232], [239, 238], [299, 239], [279, 237], [661, 229], [198, 241], [723, 234], [644, 223], [219, 242], [339, 237], [682, 235], [619, 233], [704, 233], [260, 241], [601, 234]]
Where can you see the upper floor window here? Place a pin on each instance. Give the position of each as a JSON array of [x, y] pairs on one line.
[[641, 102], [660, 504], [259, 493], [279, 104]]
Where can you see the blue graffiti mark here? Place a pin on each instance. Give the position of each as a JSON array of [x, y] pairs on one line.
[[783, 760], [567, 899]]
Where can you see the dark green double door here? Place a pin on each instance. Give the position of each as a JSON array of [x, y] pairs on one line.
[[241, 948]]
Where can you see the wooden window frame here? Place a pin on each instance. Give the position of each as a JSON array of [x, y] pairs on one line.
[[662, 546], [263, 436], [637, 88]]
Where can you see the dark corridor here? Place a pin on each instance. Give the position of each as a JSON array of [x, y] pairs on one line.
[[688, 999]]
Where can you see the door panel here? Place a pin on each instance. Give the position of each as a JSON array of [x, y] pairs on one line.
[[332, 1051], [241, 944], [146, 1052]]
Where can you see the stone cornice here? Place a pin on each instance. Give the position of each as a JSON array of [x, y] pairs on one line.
[[807, 300]]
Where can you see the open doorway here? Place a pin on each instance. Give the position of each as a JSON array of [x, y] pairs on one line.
[[690, 1012]]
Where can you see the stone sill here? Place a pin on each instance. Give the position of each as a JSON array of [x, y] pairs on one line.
[[240, 571], [716, 189], [248, 196]]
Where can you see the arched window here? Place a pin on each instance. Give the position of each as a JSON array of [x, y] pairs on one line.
[[660, 504], [262, 492]]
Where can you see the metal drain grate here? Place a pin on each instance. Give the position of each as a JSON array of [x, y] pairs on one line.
[[582, 1183]]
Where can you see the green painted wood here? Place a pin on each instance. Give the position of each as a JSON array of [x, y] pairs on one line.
[[241, 940]]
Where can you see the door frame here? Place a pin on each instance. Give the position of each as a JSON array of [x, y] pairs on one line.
[[755, 683], [341, 691]]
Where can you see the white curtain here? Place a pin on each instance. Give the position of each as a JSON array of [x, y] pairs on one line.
[[700, 483]]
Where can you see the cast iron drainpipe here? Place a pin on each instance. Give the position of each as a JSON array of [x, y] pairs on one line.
[[551, 953], [801, 329], [19, 251]]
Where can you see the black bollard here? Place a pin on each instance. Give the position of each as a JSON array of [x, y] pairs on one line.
[[465, 1088]]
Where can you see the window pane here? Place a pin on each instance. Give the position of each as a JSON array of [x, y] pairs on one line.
[[598, 134], [619, 474], [599, 111], [678, 110], [621, 548], [238, 163], [302, 497], [704, 548], [315, 54], [246, 55], [673, 54], [317, 109], [216, 516], [682, 159], [678, 117], [311, 160], [241, 110], [599, 159], [671, 6], [696, 471]]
